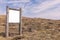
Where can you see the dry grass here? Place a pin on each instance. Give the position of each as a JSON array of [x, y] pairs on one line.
[[33, 29]]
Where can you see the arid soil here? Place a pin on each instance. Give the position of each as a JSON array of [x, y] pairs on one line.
[[32, 29]]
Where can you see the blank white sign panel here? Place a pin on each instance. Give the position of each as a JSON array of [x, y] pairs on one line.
[[14, 16]]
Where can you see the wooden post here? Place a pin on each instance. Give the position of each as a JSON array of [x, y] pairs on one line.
[[20, 23], [7, 27]]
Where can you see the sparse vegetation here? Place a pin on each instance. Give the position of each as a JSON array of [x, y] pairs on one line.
[[33, 29]]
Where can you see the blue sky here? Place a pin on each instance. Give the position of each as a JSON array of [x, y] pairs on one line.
[[34, 8]]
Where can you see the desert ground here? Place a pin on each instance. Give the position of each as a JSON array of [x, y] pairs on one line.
[[32, 29]]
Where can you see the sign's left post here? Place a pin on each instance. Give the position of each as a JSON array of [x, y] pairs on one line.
[[7, 24]]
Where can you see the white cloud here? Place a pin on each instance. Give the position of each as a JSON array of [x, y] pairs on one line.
[[44, 5], [19, 1], [51, 14], [42, 10], [14, 1]]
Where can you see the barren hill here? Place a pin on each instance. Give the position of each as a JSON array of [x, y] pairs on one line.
[[36, 28]]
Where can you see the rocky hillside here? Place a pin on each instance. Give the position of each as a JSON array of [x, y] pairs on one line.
[[35, 28]]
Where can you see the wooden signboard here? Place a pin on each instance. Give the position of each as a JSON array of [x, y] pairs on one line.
[[12, 16]]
